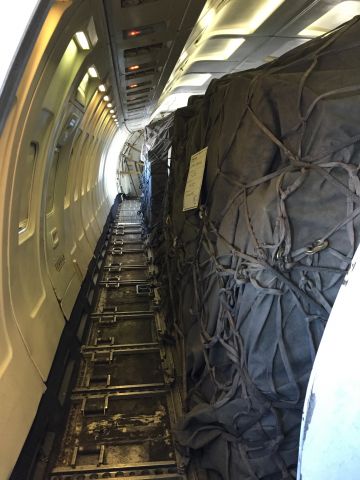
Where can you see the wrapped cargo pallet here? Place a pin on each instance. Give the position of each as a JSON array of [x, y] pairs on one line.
[[254, 271], [155, 154], [155, 157]]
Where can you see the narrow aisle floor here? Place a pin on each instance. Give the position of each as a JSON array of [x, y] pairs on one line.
[[122, 407]]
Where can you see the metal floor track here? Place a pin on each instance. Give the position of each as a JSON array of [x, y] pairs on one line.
[[123, 406]]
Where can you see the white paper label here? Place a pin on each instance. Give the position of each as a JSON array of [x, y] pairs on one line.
[[194, 180]]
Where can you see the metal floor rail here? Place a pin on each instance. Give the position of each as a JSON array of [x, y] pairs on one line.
[[123, 406]]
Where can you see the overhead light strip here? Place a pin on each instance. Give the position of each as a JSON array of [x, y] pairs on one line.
[[340, 13]]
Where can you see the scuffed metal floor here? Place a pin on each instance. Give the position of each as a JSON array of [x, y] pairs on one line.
[[122, 407]]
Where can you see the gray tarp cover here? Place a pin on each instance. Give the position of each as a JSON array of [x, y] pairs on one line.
[[255, 270]]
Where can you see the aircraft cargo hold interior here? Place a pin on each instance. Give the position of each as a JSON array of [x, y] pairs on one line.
[[179, 231]]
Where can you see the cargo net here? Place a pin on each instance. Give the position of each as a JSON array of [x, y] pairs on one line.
[[254, 272]]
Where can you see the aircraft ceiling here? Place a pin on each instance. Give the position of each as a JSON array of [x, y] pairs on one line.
[[161, 58]]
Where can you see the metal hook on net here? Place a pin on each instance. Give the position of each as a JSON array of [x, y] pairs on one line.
[[282, 260], [317, 247]]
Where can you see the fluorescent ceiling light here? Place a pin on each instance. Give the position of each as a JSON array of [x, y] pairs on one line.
[[112, 111], [231, 47], [224, 28], [218, 49], [207, 19], [102, 88], [106, 98], [183, 56], [266, 9], [194, 79], [109, 105], [242, 17], [93, 72], [342, 12], [82, 40]]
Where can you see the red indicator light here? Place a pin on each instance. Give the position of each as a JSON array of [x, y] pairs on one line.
[[133, 33]]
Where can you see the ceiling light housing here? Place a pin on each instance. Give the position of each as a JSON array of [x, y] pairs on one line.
[[340, 13], [82, 41], [183, 56], [219, 49], [239, 17], [93, 72], [232, 45], [207, 19]]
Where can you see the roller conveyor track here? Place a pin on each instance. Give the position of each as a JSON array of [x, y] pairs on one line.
[[122, 407]]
